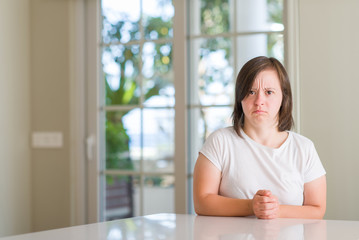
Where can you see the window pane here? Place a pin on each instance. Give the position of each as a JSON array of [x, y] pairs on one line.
[[158, 195], [158, 142], [275, 11], [259, 15], [254, 45], [214, 16], [212, 73], [158, 74], [120, 20], [276, 46], [204, 121], [123, 140], [122, 197], [157, 18], [214, 118], [209, 16], [121, 70]]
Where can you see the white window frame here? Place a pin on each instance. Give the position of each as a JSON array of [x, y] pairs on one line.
[[85, 72], [93, 99]]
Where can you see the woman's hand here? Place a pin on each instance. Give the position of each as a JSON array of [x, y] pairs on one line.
[[265, 205]]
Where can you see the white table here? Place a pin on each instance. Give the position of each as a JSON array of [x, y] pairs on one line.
[[182, 226]]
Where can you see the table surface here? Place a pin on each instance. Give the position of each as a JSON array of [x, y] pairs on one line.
[[184, 226]]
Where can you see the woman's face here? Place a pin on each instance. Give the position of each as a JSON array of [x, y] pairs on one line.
[[262, 104]]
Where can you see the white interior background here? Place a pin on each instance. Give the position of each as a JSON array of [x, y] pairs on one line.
[[35, 186]]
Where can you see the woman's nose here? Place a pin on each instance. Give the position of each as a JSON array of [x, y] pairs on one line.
[[259, 99]]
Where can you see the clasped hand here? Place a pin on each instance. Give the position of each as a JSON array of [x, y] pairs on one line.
[[265, 205]]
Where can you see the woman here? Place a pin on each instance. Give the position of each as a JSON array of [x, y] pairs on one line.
[[258, 166]]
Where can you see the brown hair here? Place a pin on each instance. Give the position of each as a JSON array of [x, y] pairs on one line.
[[244, 82]]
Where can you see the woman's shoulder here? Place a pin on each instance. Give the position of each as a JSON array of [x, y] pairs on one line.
[[300, 139], [221, 134], [224, 132]]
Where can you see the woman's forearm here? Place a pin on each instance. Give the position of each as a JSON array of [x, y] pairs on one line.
[[306, 211], [216, 205]]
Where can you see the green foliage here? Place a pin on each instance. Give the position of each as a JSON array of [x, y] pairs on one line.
[[275, 9], [115, 32], [117, 143], [157, 27], [128, 91], [214, 16], [153, 181]]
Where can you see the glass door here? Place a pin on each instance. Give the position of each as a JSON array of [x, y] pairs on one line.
[[222, 36]]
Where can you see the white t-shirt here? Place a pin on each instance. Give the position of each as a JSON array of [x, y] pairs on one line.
[[248, 166]]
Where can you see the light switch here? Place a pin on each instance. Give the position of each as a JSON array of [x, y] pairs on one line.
[[47, 140]]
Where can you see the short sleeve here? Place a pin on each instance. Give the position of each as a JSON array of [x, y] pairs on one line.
[[314, 168], [213, 149]]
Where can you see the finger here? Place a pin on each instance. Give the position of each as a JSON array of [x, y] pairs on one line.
[[270, 214], [269, 210], [272, 199], [266, 199], [267, 207], [267, 214], [263, 192]]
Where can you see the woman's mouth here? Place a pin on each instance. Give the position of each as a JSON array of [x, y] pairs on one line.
[[259, 111]]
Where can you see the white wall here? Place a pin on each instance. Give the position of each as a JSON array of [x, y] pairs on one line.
[[329, 63], [50, 111], [15, 187]]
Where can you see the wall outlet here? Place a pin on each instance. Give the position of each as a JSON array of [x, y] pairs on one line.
[[47, 140]]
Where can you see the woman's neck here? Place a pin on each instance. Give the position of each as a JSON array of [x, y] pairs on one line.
[[267, 136]]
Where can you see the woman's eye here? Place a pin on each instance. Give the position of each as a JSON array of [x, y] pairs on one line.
[[252, 92], [269, 92]]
